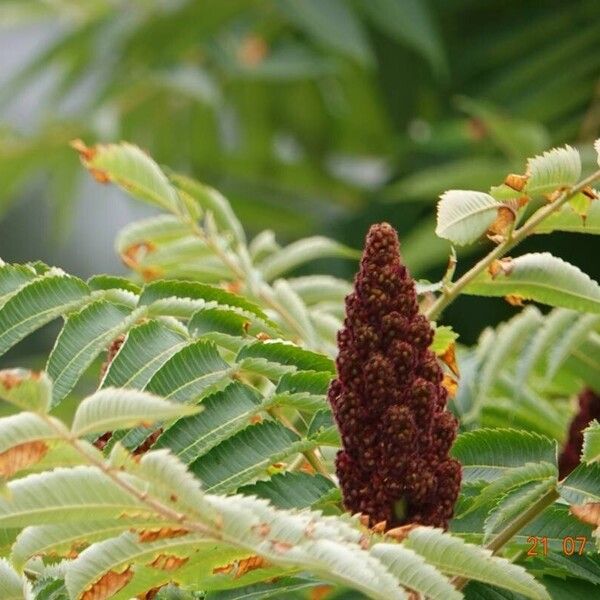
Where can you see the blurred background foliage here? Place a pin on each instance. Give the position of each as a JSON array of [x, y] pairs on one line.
[[312, 116]]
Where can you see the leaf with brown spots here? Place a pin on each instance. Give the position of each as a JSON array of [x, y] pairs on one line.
[[160, 533], [20, 457], [168, 562], [238, 568], [108, 585]]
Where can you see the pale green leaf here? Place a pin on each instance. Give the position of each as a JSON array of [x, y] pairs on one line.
[[543, 278], [453, 556], [114, 408], [443, 337], [555, 169], [591, 443], [23, 428], [464, 216], [582, 485], [12, 585], [29, 390], [12, 277], [296, 254], [134, 171], [567, 219]]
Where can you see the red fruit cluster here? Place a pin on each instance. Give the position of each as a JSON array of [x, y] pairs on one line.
[[388, 400], [589, 409]]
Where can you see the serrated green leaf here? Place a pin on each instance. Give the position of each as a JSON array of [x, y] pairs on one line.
[[543, 278], [413, 572], [134, 171], [455, 557], [514, 502], [22, 428], [274, 358], [190, 374], [591, 443], [12, 585], [246, 455], [323, 430], [485, 454], [65, 494], [212, 201], [296, 254], [84, 335], [464, 216], [152, 231], [12, 277], [37, 303], [114, 408], [29, 390], [582, 485], [513, 478], [224, 414], [291, 490], [567, 219], [145, 349], [555, 169], [109, 282]]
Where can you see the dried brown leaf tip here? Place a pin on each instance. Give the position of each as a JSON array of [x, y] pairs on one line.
[[514, 299], [516, 182], [87, 155], [449, 359], [10, 379], [503, 266], [401, 533], [108, 585], [20, 457], [588, 513], [588, 410], [388, 399], [252, 51]]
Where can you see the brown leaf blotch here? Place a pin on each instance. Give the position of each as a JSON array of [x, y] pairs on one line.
[[516, 182], [108, 585], [20, 457]]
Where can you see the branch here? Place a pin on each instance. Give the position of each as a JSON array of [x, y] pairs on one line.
[[451, 292]]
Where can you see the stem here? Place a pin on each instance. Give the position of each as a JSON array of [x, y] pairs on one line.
[[451, 292], [506, 534]]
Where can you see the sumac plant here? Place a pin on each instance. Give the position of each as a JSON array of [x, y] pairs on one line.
[[257, 434]]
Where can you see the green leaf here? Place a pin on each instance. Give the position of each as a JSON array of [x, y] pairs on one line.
[[464, 216], [591, 443], [555, 169], [511, 479], [485, 454], [246, 455], [150, 232], [274, 358], [413, 572], [12, 585], [300, 252], [443, 337], [211, 201], [109, 282], [23, 428], [146, 348], [332, 24], [543, 278], [37, 303], [320, 288], [84, 336], [582, 485], [514, 502], [190, 374], [134, 171], [567, 219], [224, 413], [114, 408], [291, 490], [282, 588], [29, 390], [455, 557], [65, 495], [12, 277], [323, 430], [187, 290]]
